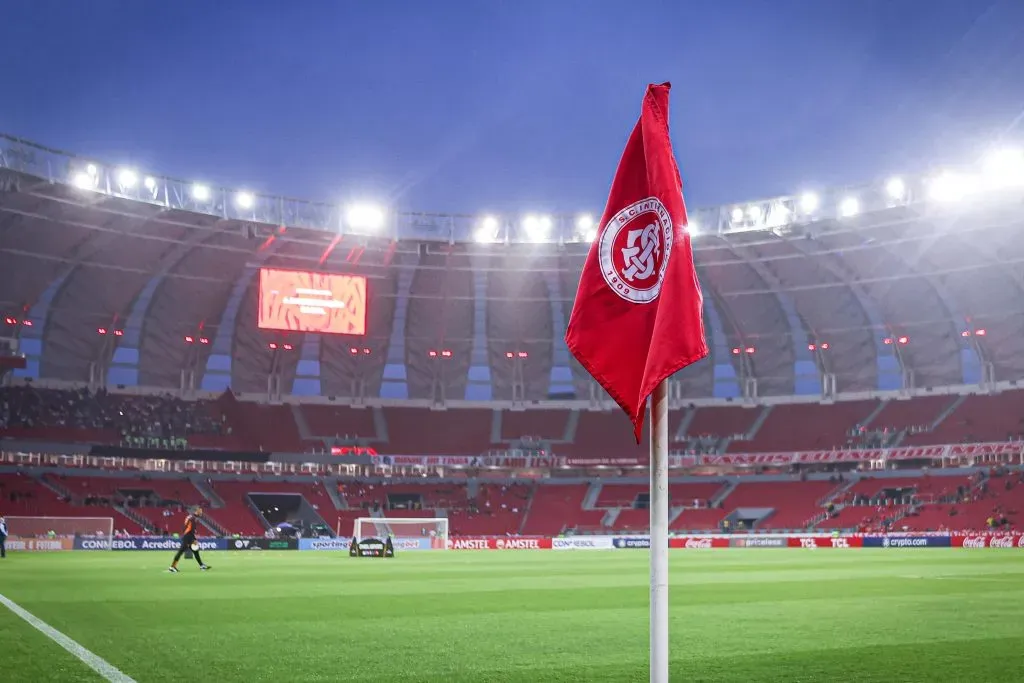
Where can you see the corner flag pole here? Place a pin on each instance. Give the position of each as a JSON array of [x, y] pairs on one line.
[[659, 533]]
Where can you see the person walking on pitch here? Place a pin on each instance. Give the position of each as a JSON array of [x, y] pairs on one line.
[[189, 542]]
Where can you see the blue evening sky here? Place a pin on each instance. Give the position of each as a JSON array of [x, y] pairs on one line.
[[509, 105]]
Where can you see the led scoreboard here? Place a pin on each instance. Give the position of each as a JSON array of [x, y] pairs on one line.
[[299, 301]]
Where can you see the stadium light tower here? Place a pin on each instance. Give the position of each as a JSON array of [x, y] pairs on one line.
[[1004, 168], [951, 187], [809, 202], [487, 232], [83, 181], [896, 188], [585, 227], [127, 178], [538, 228], [849, 207], [365, 217], [244, 200], [200, 193]]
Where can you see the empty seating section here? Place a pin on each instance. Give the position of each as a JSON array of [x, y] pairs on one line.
[[239, 517], [549, 425], [339, 421], [635, 521], [556, 507], [794, 502], [345, 520], [693, 493], [697, 520], [21, 495], [497, 511], [631, 519], [807, 427], [607, 435], [374, 497], [978, 419], [418, 431], [911, 413], [864, 517], [261, 427], [619, 495], [722, 421], [927, 488]]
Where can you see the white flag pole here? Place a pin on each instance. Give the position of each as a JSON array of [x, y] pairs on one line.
[[659, 533]]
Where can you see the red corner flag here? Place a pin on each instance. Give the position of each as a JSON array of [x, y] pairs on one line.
[[637, 315]]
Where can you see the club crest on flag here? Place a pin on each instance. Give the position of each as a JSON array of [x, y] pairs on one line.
[[634, 250]]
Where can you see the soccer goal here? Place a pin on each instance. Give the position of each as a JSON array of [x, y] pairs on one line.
[[53, 533], [426, 532]]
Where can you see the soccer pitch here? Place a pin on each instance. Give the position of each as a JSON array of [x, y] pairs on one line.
[[737, 615]]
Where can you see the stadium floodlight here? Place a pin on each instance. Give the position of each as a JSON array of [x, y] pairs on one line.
[[127, 178], [951, 187], [896, 188], [150, 183], [91, 170], [83, 181], [365, 217], [1004, 168], [487, 231], [809, 202], [849, 207], [244, 200], [538, 228], [692, 227], [200, 193], [737, 215], [754, 213], [585, 228]]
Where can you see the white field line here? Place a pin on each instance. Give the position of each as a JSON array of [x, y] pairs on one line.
[[92, 660]]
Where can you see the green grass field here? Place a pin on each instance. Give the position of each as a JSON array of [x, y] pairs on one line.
[[737, 615]]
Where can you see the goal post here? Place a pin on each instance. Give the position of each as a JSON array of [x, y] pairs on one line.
[[58, 533], [427, 532]]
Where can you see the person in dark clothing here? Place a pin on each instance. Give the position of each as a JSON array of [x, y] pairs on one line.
[[188, 542], [3, 536]]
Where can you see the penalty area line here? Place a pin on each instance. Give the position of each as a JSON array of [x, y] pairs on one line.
[[92, 660]]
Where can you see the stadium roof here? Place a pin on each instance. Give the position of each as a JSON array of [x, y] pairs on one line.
[[916, 282]]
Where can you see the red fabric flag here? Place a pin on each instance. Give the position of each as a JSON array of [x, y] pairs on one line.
[[637, 315]]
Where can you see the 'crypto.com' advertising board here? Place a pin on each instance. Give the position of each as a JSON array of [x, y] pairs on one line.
[[298, 301]]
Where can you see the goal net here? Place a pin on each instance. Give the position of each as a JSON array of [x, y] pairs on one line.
[[58, 533], [424, 532]]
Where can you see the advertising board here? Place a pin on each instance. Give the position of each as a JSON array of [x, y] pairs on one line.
[[582, 543], [905, 541], [325, 543], [146, 543], [698, 542], [500, 543], [38, 545], [259, 543]]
